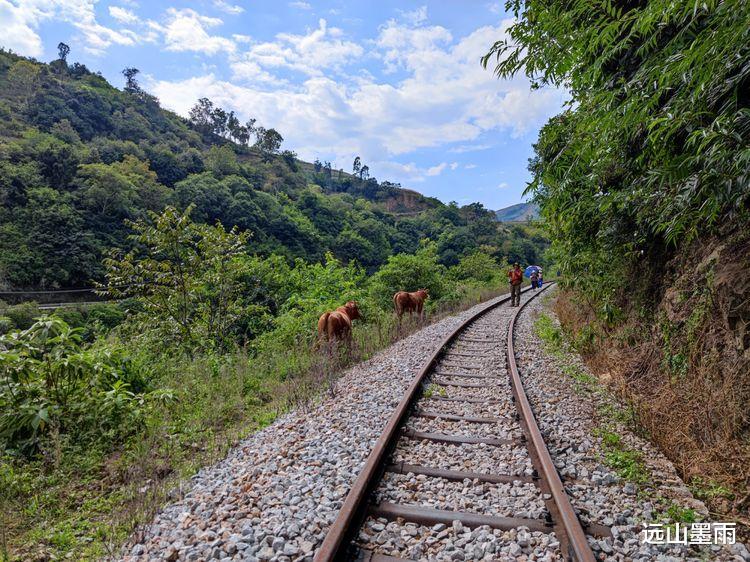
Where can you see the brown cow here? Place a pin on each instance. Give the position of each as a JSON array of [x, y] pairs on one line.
[[337, 325], [410, 302]]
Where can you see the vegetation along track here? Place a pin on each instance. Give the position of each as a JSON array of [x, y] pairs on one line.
[[463, 415]]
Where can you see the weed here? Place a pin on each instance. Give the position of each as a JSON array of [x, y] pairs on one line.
[[628, 463], [550, 334], [679, 514], [707, 489]]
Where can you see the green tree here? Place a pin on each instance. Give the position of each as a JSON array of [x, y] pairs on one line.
[[186, 275]]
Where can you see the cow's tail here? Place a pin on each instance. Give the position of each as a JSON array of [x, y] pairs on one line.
[[322, 325]]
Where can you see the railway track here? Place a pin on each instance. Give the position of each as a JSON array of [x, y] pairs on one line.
[[461, 458]]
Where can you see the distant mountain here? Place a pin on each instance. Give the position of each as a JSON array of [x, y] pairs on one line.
[[521, 212]]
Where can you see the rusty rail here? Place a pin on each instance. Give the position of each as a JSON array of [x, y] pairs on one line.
[[573, 540]]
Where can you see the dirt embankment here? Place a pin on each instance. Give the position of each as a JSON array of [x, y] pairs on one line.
[[680, 356]]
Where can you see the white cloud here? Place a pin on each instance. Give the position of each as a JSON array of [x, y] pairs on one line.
[[185, 30], [469, 148], [123, 15], [19, 29], [415, 17], [436, 170], [502, 185], [454, 165], [20, 21], [228, 8], [470, 166], [301, 5], [338, 110], [311, 54]]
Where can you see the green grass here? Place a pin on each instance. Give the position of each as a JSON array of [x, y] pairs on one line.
[[626, 462], [707, 489], [550, 334]]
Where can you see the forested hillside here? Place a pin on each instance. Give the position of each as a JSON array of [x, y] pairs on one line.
[[643, 183], [79, 157]]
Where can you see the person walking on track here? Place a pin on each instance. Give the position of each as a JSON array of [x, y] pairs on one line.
[[515, 277], [534, 279]]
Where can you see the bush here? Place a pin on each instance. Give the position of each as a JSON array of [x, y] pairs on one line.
[[51, 384], [23, 315], [6, 325], [479, 268], [405, 272]]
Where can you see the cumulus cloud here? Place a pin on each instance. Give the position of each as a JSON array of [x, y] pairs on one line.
[[301, 5], [19, 29], [20, 21], [312, 53], [186, 30], [443, 97]]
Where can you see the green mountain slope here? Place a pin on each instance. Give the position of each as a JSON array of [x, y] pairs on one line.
[[520, 212], [79, 158]]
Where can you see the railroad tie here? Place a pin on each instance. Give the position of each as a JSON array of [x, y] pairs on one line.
[[430, 516], [457, 439], [454, 417], [459, 475]]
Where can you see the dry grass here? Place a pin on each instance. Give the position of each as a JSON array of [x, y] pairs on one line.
[[685, 369]]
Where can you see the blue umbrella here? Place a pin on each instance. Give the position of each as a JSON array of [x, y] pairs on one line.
[[532, 269]]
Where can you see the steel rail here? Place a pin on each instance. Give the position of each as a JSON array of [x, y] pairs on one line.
[[353, 510], [574, 535]]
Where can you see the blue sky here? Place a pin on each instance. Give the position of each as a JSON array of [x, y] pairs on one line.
[[397, 83]]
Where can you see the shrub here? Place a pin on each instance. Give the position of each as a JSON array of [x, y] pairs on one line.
[[479, 268], [405, 272], [51, 384], [23, 315], [6, 325]]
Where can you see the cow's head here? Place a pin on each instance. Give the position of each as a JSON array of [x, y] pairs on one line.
[[352, 310]]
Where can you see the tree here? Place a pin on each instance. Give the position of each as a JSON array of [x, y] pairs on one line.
[[201, 115], [62, 51], [268, 142], [317, 165], [364, 172], [356, 166], [23, 77], [219, 119], [186, 275], [131, 82]]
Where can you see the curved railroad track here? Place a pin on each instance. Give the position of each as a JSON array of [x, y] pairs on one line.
[[436, 467]]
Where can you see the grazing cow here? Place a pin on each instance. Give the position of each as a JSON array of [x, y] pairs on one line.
[[409, 302], [337, 325]]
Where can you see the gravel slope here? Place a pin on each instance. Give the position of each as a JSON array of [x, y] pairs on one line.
[[566, 418]]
